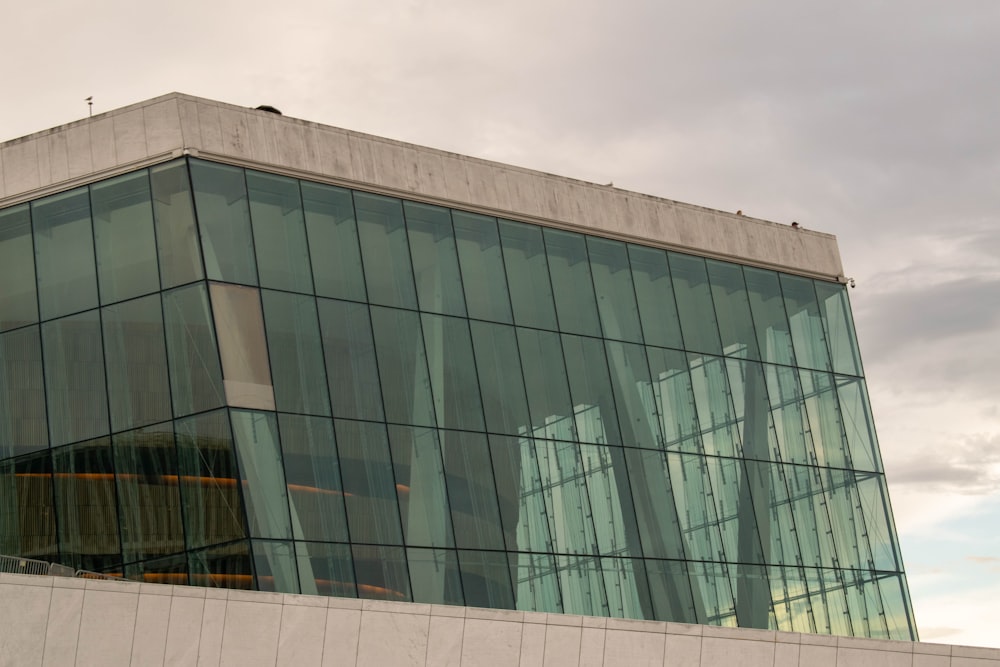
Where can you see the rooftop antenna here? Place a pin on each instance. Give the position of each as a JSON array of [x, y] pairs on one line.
[[90, 106]]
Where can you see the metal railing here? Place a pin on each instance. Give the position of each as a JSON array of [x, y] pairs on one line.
[[17, 565]]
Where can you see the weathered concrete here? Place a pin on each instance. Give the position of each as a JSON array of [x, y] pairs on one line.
[[175, 124], [60, 621]]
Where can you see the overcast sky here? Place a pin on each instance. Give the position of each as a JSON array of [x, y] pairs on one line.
[[876, 121]]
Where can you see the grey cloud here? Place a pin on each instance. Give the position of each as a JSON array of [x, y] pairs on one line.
[[966, 466]]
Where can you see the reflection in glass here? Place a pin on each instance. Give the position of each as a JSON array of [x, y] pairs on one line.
[[312, 474], [435, 259], [528, 275], [481, 261], [192, 353], [27, 517], [452, 373], [176, 232], [23, 425], [274, 566], [326, 569], [333, 241], [572, 285], [402, 367], [239, 324], [296, 353], [385, 250], [262, 477], [435, 576], [74, 378], [370, 491], [615, 293], [123, 235], [279, 232], [18, 305], [420, 486], [382, 573], [351, 369], [220, 197], [64, 253]]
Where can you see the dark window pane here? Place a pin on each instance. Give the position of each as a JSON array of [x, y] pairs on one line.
[[167, 570], [572, 286], [486, 579], [333, 241], [176, 232], [195, 374], [838, 324], [472, 493], [381, 573], [296, 352], [18, 305], [452, 372], [435, 576], [671, 591], [123, 234], [546, 385], [64, 253], [369, 485], [23, 426], [385, 250], [262, 475], [279, 232], [147, 480], [694, 303], [590, 390], [528, 275], [733, 310], [402, 366], [228, 566], [435, 259], [520, 494], [615, 293], [634, 395], [655, 294], [239, 324], [655, 511], [86, 505], [213, 508], [768, 308], [312, 472], [27, 517], [74, 378], [351, 369], [500, 379], [274, 565], [805, 323], [326, 569], [220, 196], [138, 388], [483, 273], [423, 497]]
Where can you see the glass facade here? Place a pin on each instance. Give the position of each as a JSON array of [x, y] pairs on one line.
[[222, 377]]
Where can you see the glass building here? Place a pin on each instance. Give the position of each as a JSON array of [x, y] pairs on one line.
[[220, 374]]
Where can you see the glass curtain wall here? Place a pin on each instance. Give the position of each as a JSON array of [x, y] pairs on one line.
[[217, 376]]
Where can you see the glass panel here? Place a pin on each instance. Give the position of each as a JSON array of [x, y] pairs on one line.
[[655, 511], [74, 378], [655, 294], [895, 603], [877, 522], [500, 378], [296, 352], [789, 415], [764, 489], [716, 415], [23, 425], [147, 480], [809, 512], [274, 564], [138, 388], [610, 500], [673, 394], [27, 516], [483, 275], [369, 485], [582, 583], [528, 275], [262, 476], [472, 493], [239, 324], [86, 505], [838, 325], [64, 253], [486, 579], [279, 232], [634, 395], [545, 382], [768, 308], [713, 594], [828, 601], [572, 285], [385, 250], [195, 374], [168, 570], [312, 472], [571, 520], [805, 323], [753, 413], [18, 305], [213, 506], [435, 575], [825, 423], [402, 366], [220, 196], [732, 308], [227, 566], [176, 232], [856, 413], [333, 241], [753, 596], [697, 515], [452, 373], [435, 259], [326, 569], [590, 389], [519, 491], [536, 582], [615, 293], [671, 592], [694, 303], [351, 370], [420, 485], [847, 520], [627, 588], [123, 234], [382, 573], [793, 610]]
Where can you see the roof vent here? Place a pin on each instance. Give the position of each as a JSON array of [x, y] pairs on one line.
[[268, 108]]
